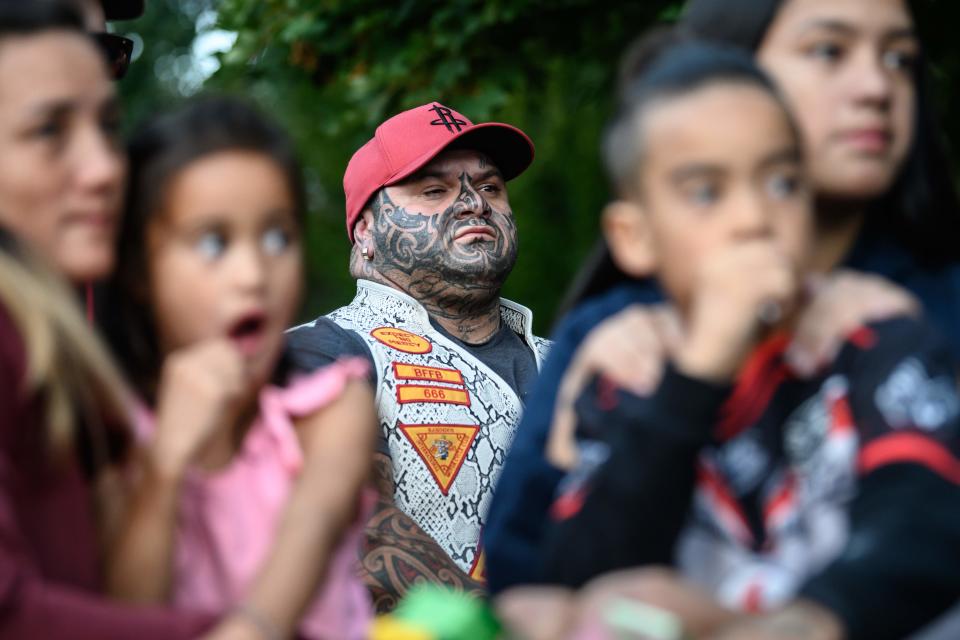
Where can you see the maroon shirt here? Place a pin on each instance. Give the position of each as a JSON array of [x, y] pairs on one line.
[[50, 585]]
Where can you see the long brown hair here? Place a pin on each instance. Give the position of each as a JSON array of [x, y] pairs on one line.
[[921, 210], [67, 369]]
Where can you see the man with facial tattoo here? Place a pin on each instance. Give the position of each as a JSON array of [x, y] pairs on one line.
[[434, 239]]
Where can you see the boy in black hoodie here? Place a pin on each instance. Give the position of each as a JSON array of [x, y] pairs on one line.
[[831, 504]]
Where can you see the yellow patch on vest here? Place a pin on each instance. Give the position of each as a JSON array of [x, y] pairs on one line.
[[442, 447], [407, 393], [478, 571], [402, 340], [417, 372]]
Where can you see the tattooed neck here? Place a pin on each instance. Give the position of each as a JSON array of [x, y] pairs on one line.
[[458, 285], [474, 329]]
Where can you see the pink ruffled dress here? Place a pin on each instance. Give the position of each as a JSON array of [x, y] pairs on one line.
[[228, 518]]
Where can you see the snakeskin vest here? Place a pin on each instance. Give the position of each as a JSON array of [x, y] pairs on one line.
[[448, 419]]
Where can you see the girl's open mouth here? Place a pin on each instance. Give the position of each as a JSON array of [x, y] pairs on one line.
[[248, 332]]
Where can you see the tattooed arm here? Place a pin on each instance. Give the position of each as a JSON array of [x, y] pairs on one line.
[[397, 554]]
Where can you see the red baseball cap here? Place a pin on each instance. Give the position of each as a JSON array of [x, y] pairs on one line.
[[409, 140]]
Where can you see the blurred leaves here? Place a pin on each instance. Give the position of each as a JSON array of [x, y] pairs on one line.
[[162, 61], [331, 70]]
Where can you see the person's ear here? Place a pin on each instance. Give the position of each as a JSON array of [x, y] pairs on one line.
[[626, 228], [362, 232]]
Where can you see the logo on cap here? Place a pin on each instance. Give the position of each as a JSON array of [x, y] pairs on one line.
[[446, 119]]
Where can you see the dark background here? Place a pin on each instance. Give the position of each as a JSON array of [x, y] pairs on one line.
[[331, 70]]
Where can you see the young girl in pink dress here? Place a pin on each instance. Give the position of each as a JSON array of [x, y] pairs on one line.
[[249, 492]]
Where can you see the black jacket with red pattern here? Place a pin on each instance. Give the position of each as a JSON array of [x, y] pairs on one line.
[[842, 489]]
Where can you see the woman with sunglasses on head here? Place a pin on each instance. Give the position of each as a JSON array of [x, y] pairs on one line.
[[62, 404], [852, 71], [119, 49]]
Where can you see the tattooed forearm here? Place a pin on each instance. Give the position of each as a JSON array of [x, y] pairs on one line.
[[397, 554], [383, 476]]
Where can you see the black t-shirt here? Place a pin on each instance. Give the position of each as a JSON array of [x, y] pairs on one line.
[[324, 341]]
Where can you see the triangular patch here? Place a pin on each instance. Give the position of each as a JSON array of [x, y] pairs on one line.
[[479, 569], [442, 447]]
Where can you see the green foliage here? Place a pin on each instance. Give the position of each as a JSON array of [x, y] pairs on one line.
[[331, 70], [937, 20], [162, 56]]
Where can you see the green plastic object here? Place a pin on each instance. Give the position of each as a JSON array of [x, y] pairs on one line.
[[448, 615], [628, 618]]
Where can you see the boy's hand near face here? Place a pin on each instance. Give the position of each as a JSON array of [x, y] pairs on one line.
[[731, 288]]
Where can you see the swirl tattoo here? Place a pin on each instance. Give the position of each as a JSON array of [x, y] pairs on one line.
[[418, 250], [397, 554]]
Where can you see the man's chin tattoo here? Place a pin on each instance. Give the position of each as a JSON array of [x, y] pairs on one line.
[[419, 253]]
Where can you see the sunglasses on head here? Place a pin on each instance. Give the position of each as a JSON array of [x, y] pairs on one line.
[[118, 50]]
